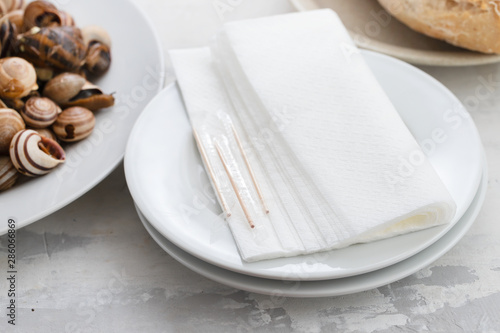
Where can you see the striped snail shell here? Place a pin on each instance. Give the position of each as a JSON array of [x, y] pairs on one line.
[[17, 78], [34, 155], [8, 173], [58, 47], [70, 90], [46, 132], [74, 124], [40, 112], [10, 123]]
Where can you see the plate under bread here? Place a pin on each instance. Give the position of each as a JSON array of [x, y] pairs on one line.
[[170, 187], [373, 29]]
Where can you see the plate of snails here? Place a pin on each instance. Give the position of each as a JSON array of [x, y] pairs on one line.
[[71, 87]]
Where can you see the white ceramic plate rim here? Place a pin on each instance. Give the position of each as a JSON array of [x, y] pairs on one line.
[[111, 166], [252, 269], [334, 287], [414, 56]]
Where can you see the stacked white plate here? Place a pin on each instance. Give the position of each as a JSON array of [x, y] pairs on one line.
[[177, 206]]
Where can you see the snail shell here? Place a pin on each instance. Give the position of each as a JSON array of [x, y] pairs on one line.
[[74, 124], [17, 78], [8, 34], [10, 123], [58, 47], [70, 90], [63, 87], [42, 14], [34, 155], [46, 132], [40, 112], [98, 44], [8, 173], [98, 58]]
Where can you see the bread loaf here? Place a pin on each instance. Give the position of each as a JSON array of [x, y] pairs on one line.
[[472, 24]]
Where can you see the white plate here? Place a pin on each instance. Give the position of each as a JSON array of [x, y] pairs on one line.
[[371, 30], [336, 287], [136, 75], [168, 182]]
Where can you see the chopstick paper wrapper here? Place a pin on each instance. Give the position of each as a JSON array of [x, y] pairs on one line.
[[315, 144]]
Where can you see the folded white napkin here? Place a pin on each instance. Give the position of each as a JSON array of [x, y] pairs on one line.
[[329, 150]]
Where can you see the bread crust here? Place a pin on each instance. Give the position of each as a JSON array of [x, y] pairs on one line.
[[471, 24]]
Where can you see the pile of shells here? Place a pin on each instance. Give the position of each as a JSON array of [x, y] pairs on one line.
[[47, 99]]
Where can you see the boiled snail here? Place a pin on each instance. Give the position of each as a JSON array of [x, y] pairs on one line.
[[58, 47], [64, 87], [98, 44], [69, 89], [34, 155], [40, 112], [40, 46], [74, 124], [17, 78], [44, 14]]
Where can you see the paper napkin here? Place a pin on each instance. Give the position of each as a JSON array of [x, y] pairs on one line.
[[329, 149]]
